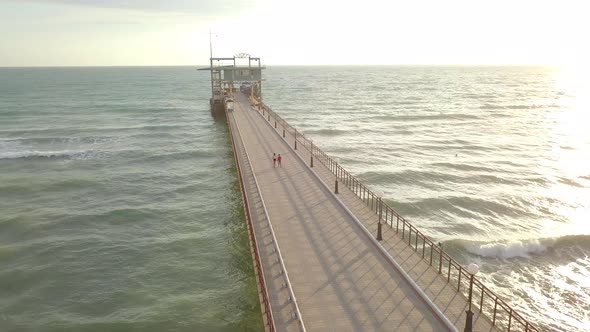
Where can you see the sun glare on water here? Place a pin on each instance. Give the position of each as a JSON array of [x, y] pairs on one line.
[[571, 135]]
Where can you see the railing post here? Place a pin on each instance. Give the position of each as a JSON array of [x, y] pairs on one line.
[[295, 139], [283, 132], [510, 320], [440, 258], [423, 247], [311, 154], [495, 307], [379, 237], [449, 272], [481, 301]]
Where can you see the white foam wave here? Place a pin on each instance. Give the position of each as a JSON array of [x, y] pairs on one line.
[[46, 154], [509, 249]]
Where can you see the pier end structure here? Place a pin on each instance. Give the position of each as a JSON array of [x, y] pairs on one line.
[[242, 68]]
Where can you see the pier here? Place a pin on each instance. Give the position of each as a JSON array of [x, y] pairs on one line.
[[329, 254]]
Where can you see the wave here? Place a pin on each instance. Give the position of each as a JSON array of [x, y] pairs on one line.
[[570, 182], [147, 127], [508, 249], [515, 107], [491, 107], [28, 141], [430, 145], [525, 248], [410, 102], [428, 117], [64, 154], [186, 154], [330, 132], [463, 206], [464, 167], [434, 179]]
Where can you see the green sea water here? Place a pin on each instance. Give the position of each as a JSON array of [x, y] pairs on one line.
[[120, 209]]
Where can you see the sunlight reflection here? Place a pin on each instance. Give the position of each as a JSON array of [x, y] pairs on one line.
[[571, 151]]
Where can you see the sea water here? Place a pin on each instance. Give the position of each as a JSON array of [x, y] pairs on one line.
[[120, 208]]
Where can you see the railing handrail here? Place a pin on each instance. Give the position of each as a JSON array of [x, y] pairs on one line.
[[272, 232], [364, 193], [254, 243]]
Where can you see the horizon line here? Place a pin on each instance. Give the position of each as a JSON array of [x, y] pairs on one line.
[[307, 65]]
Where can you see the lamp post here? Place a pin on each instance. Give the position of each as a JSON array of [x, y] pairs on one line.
[[311, 157], [380, 197], [472, 269], [337, 160]]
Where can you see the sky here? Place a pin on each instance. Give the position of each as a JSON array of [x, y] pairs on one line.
[[294, 32]]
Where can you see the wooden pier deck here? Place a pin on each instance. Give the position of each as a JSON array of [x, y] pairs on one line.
[[323, 269]]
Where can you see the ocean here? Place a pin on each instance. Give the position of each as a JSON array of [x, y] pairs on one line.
[[121, 210]]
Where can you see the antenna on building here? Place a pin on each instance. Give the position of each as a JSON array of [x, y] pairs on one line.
[[210, 45], [211, 67]]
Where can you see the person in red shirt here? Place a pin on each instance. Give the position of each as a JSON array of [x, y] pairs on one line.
[[279, 159]]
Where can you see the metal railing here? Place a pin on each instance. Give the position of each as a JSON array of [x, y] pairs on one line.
[[490, 304], [267, 310], [283, 271]]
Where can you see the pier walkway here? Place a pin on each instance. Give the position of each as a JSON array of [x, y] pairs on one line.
[[323, 268]]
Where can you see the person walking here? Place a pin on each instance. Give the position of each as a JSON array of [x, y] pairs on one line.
[[279, 158], [274, 160]]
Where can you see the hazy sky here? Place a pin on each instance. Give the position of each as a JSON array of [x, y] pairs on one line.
[[176, 32]]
